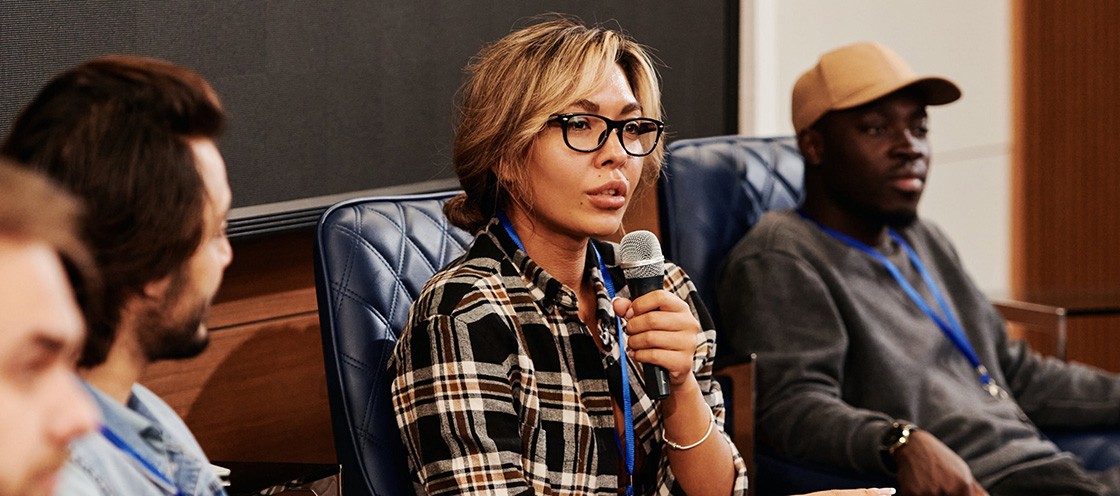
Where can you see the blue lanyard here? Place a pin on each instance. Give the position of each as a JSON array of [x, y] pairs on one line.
[[626, 408], [152, 470], [948, 324]]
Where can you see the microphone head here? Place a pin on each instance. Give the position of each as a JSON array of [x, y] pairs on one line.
[[641, 255]]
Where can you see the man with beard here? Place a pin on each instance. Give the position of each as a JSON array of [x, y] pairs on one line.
[[876, 352], [43, 266], [134, 138]]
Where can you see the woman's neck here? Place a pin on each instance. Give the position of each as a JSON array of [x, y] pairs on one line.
[[563, 257]]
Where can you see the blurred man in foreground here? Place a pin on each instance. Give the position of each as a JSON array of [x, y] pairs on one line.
[[42, 267]]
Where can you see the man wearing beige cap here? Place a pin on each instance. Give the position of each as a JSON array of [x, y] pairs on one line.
[[876, 351]]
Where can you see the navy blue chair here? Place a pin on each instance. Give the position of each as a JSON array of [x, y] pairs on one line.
[[711, 191], [372, 258]]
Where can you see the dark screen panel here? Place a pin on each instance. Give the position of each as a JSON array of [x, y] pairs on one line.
[[330, 99]]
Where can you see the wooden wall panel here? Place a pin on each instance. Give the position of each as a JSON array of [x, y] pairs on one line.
[[1066, 144], [1066, 160], [1093, 341]]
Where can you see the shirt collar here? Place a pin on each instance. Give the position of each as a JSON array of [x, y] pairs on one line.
[[550, 291], [128, 422]]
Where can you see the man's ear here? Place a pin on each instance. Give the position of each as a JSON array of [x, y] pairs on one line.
[[812, 146], [156, 289]]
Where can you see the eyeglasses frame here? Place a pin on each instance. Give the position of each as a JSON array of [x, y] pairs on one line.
[[562, 120]]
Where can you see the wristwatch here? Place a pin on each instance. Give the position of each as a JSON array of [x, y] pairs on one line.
[[895, 438]]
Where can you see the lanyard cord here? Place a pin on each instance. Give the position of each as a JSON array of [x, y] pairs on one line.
[[949, 325], [159, 476], [626, 407]]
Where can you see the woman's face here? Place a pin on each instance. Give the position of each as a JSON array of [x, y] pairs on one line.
[[576, 195]]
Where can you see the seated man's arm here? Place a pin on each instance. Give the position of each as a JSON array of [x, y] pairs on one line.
[[778, 306], [1059, 394], [76, 478], [927, 466]]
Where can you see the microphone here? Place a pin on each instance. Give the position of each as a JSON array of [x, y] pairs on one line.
[[644, 267]]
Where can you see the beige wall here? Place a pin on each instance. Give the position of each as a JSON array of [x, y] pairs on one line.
[[968, 193]]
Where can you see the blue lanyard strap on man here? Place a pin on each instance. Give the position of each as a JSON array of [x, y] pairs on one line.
[[626, 407], [948, 323], [148, 468]]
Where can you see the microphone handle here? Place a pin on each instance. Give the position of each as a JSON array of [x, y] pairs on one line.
[[657, 378]]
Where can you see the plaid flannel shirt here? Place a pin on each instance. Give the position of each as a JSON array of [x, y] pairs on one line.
[[499, 387]]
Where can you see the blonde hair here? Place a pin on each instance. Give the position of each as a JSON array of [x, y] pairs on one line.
[[513, 86]]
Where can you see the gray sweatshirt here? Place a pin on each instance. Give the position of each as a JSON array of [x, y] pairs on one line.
[[843, 352]]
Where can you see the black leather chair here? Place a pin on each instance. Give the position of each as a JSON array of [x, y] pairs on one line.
[[711, 191], [372, 258]]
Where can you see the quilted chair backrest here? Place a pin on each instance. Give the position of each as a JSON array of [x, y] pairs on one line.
[[372, 258], [712, 190]]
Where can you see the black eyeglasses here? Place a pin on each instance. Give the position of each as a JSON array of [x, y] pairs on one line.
[[589, 132]]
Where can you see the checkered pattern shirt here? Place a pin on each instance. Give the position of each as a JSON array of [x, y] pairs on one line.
[[501, 389]]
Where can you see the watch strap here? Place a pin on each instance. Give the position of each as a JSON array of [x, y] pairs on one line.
[[893, 440]]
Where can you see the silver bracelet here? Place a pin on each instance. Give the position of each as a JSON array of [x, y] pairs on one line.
[[711, 427]]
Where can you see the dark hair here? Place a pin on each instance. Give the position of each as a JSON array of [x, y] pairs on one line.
[[115, 132], [32, 209], [513, 85]]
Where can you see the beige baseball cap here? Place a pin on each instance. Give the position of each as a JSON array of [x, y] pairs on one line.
[[855, 74]]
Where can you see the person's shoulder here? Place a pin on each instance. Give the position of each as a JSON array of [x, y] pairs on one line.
[[80, 474], [96, 467], [476, 272], [777, 225], [781, 231], [927, 229], [168, 419], [153, 402], [462, 274], [924, 232], [931, 242]]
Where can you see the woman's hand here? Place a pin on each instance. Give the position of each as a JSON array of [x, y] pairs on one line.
[[661, 331]]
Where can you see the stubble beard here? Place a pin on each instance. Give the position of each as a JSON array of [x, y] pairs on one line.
[[176, 340], [896, 219], [166, 335]]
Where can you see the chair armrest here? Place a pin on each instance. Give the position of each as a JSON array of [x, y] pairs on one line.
[[1042, 317], [1046, 318], [737, 382]]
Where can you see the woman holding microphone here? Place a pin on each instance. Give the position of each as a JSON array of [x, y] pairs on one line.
[[521, 369]]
